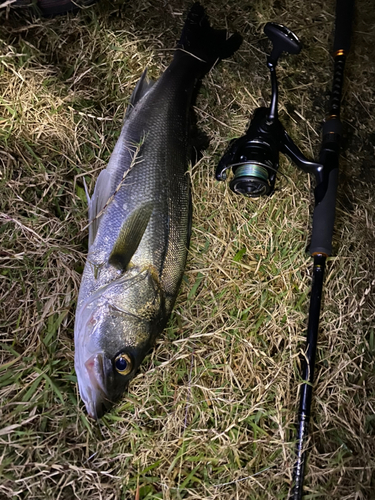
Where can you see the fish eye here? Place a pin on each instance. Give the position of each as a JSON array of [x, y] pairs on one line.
[[123, 363]]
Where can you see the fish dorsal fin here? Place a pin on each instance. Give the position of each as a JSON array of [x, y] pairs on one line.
[[141, 89], [102, 193], [130, 236]]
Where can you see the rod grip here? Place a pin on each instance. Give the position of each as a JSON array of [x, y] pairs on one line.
[[344, 18], [324, 211]]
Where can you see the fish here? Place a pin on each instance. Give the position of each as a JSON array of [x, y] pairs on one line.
[[140, 221]]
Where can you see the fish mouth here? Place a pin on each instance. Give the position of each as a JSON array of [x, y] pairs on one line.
[[97, 399]]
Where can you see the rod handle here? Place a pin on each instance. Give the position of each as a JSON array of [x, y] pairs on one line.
[[344, 18], [325, 202]]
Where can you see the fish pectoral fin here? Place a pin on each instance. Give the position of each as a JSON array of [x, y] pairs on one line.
[[130, 236], [141, 89], [102, 193]]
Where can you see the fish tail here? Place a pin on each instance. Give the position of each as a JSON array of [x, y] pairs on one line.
[[205, 43]]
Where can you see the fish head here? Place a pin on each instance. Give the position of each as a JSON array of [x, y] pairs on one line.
[[114, 331]]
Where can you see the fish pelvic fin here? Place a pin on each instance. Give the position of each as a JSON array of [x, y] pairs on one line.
[[204, 42], [141, 89], [130, 236]]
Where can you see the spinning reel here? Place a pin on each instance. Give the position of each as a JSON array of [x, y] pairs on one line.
[[254, 157]]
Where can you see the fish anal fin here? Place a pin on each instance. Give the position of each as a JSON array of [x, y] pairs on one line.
[[130, 236]]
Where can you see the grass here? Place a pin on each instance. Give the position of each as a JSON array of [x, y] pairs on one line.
[[211, 413]]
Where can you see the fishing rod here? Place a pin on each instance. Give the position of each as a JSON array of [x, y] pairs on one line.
[[321, 239], [254, 160]]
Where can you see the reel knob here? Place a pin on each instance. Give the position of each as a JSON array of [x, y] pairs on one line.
[[283, 40]]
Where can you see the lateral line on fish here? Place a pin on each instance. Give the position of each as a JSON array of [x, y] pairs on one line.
[[111, 198]]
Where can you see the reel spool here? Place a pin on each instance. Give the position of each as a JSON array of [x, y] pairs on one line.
[[250, 180], [253, 158], [254, 172]]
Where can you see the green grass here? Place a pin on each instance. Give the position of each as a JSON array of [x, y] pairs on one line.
[[211, 413]]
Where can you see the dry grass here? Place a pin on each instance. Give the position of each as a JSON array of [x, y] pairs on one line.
[[211, 414]]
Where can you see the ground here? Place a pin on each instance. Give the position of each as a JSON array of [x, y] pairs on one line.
[[211, 413]]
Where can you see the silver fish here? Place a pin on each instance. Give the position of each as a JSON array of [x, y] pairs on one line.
[[139, 217]]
